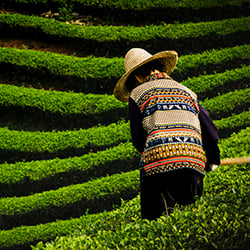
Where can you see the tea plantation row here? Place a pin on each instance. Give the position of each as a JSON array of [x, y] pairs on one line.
[[24, 145], [112, 41], [97, 75], [68, 168], [135, 11], [127, 181]]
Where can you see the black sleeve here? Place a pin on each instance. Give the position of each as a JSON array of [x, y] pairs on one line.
[[138, 133], [209, 137]]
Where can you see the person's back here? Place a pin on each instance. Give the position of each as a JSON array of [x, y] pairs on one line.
[[170, 118], [170, 128]]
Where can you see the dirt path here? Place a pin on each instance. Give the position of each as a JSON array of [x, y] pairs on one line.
[[37, 45]]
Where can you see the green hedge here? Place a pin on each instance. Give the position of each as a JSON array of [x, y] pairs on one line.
[[130, 33], [138, 11], [136, 4], [24, 145], [24, 178], [71, 201], [99, 75], [102, 193], [211, 61], [216, 183], [55, 108], [226, 126], [208, 86], [115, 40], [45, 145], [234, 102], [218, 220], [95, 106], [23, 236]]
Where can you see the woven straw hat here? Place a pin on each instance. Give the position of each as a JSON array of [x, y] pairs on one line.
[[136, 58]]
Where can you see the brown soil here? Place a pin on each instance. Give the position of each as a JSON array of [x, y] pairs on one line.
[[48, 47], [37, 45]]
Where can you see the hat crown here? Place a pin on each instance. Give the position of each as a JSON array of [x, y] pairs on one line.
[[134, 57]]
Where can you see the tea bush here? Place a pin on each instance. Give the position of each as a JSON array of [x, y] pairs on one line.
[[69, 175]]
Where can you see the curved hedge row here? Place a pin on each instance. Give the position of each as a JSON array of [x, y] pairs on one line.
[[71, 201], [99, 75], [45, 145], [234, 102], [24, 178], [64, 104], [208, 86], [217, 220], [24, 236], [226, 126], [107, 33], [138, 11], [136, 4], [23, 145], [114, 40], [90, 224]]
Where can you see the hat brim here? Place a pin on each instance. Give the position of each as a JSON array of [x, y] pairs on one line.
[[167, 58]]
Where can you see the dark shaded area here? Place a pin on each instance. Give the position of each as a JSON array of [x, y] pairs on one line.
[[32, 118], [118, 16], [227, 132]]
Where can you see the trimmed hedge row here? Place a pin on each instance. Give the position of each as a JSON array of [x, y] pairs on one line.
[[90, 224], [236, 145], [24, 236], [92, 105], [99, 75], [71, 201], [76, 110], [218, 220], [21, 145], [114, 40], [234, 102], [131, 5], [208, 86], [95, 195], [138, 11], [226, 126], [106, 33], [24, 178]]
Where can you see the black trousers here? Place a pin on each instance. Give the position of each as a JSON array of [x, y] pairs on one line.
[[160, 192]]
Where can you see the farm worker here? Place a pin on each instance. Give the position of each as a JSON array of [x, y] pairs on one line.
[[174, 133]]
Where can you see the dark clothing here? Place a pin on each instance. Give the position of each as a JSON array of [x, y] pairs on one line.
[[161, 192], [209, 138]]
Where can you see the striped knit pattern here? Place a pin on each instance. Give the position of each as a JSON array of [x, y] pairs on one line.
[[170, 112]]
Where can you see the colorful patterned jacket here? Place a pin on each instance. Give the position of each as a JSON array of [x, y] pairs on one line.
[[170, 128]]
